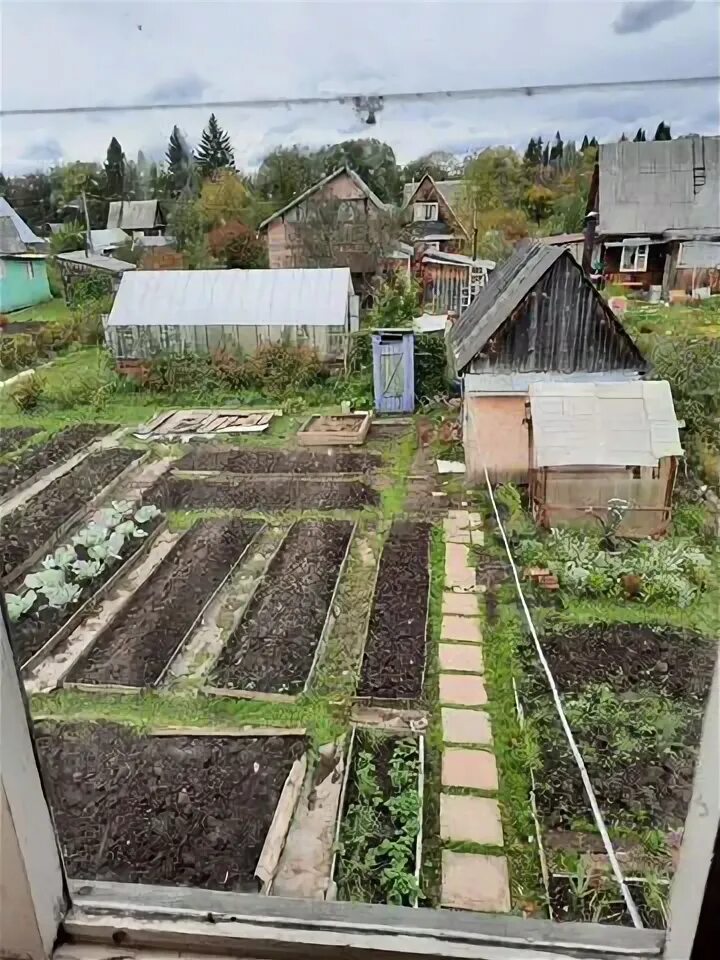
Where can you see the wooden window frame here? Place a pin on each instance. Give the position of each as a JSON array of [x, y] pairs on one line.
[[638, 258], [431, 205]]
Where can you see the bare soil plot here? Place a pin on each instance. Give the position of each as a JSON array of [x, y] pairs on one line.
[[178, 810], [393, 665], [13, 437], [264, 493], [58, 448], [279, 461], [273, 648], [134, 649], [31, 526]]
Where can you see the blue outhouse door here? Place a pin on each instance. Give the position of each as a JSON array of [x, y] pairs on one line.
[[394, 371]]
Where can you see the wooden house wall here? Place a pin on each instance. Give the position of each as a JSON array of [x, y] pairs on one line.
[[442, 286], [636, 279]]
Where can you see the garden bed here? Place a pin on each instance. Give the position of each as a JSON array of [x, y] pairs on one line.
[[279, 461], [379, 831], [60, 447], [393, 665], [324, 429], [596, 898], [135, 649], [261, 494], [171, 810], [276, 645], [12, 438], [44, 518]]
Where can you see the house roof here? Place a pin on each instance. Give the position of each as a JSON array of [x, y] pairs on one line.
[[112, 237], [444, 256], [657, 186], [23, 230], [603, 424], [111, 264], [136, 214], [293, 297], [357, 180], [558, 239], [10, 241], [451, 190]]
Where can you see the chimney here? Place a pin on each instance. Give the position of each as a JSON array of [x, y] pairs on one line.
[[590, 226]]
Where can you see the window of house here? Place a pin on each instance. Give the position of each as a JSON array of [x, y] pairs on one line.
[[425, 211], [634, 257], [30, 267]]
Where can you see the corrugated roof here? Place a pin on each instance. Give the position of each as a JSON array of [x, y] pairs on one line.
[[292, 297], [357, 180], [451, 190], [112, 237], [517, 384], [562, 238], [136, 214], [23, 230], [111, 264], [603, 424], [10, 241], [660, 185]]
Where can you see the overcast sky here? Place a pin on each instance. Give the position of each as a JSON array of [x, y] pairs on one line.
[[59, 53]]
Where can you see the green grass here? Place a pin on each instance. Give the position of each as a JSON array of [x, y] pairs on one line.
[[647, 321], [49, 312]]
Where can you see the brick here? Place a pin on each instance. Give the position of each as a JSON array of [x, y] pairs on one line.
[[460, 604], [462, 767], [462, 690], [462, 629], [474, 881], [470, 820], [466, 726], [461, 656], [459, 575]]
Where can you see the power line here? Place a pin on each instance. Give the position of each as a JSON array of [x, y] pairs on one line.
[[373, 102]]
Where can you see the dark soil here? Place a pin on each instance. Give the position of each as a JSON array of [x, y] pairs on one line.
[[603, 903], [34, 630], [678, 663], [273, 647], [134, 649], [59, 448], [13, 437], [261, 494], [279, 461], [394, 661], [33, 524], [184, 811]]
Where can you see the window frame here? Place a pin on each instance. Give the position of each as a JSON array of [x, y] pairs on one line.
[[639, 253], [424, 206], [30, 269]]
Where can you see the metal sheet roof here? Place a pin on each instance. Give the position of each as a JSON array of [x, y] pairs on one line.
[[111, 237], [111, 264], [451, 190], [518, 384], [603, 424], [357, 180], [23, 230], [10, 241], [294, 297], [136, 214], [660, 185]]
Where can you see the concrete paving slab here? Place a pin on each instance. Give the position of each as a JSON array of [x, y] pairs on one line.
[[470, 820], [462, 657], [462, 767], [462, 690], [460, 629], [466, 726], [474, 881]]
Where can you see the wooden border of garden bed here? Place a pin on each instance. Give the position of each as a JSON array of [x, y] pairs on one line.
[[72, 622], [155, 685], [319, 647], [401, 734], [327, 438], [397, 701], [276, 837], [85, 511]]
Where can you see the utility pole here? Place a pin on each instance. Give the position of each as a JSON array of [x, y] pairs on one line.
[[88, 237]]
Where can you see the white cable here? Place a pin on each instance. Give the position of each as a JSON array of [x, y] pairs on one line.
[[607, 842]]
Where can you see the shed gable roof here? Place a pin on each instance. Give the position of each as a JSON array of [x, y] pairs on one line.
[[135, 214], [446, 193], [10, 241], [23, 230], [357, 180]]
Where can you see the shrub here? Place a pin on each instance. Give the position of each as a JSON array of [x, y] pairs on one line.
[[236, 245], [692, 367], [27, 392], [182, 373], [17, 351], [281, 370]]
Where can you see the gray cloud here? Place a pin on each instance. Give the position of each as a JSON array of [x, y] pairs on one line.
[[43, 152], [638, 16], [178, 89]]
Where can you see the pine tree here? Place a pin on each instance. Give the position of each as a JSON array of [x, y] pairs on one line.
[[215, 151], [585, 144], [623, 138], [639, 136], [533, 154], [546, 155], [663, 131], [180, 161], [115, 170], [593, 142]]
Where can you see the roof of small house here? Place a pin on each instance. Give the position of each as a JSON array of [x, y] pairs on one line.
[[603, 424], [293, 297], [558, 239], [23, 230], [97, 260], [10, 241], [659, 186], [508, 286], [136, 214], [451, 190], [111, 237], [357, 180]]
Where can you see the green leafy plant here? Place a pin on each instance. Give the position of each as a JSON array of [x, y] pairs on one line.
[[26, 393], [20, 604]]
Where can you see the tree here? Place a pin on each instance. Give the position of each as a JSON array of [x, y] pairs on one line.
[[495, 180], [556, 151], [639, 136], [215, 151], [538, 202], [372, 160], [663, 131], [285, 173], [186, 225], [181, 162], [533, 152], [440, 164], [585, 144], [593, 142], [115, 171], [32, 197], [236, 246], [71, 236], [623, 137], [70, 181], [546, 155], [224, 199]]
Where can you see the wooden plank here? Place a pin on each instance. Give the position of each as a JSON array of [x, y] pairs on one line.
[[250, 695], [227, 731], [277, 833]]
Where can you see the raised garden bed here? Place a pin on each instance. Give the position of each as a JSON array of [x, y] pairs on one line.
[[588, 898], [276, 645], [47, 516], [279, 461], [12, 438], [171, 810], [379, 831], [326, 429], [16, 473], [393, 666], [261, 494], [136, 648]]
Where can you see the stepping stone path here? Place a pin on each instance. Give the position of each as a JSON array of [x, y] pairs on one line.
[[470, 881]]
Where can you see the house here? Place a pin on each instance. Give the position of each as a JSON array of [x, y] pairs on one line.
[[450, 281], [538, 318], [432, 211], [202, 311], [659, 214], [103, 241], [23, 263], [594, 442], [144, 217], [79, 265]]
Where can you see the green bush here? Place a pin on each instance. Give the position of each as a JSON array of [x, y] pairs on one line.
[[92, 389], [27, 392], [17, 351], [280, 370], [179, 373], [692, 367]]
